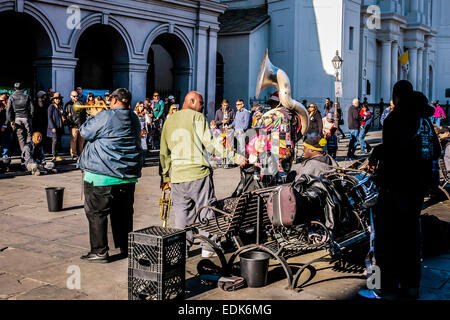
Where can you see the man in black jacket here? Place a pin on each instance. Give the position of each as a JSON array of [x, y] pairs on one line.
[[112, 161], [224, 116], [353, 126], [74, 121], [403, 177], [20, 111]]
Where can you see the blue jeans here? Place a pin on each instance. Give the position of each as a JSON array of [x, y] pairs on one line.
[[362, 142], [437, 121], [354, 134], [6, 138]]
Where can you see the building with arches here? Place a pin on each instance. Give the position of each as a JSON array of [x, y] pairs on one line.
[[149, 45], [303, 35]]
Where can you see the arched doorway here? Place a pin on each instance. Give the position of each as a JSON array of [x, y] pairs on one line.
[[25, 42], [219, 79], [102, 59], [169, 67]]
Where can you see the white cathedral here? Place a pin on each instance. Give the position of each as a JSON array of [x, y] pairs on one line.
[[303, 35]]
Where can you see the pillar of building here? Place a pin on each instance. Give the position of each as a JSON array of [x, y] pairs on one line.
[[210, 99], [394, 65], [57, 73], [133, 76], [386, 60], [425, 76], [419, 69], [412, 73], [201, 60]]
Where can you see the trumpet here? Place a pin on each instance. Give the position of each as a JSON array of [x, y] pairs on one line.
[[164, 206], [78, 106]]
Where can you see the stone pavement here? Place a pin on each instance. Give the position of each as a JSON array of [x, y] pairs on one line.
[[40, 250]]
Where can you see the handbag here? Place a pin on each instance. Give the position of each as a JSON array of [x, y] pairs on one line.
[[282, 206]]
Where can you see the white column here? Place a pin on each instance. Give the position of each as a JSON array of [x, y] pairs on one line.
[[422, 10], [386, 60], [412, 74], [201, 63], [394, 72], [425, 77], [414, 11], [419, 69], [210, 99]]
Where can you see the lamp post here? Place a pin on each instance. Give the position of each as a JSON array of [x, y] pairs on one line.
[[337, 64]]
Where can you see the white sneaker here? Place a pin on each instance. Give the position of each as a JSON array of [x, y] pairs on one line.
[[208, 254]]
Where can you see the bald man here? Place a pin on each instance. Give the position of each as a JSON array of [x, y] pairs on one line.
[[353, 125], [184, 168], [33, 157]]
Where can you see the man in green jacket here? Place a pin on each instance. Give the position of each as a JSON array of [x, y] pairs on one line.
[[185, 140]]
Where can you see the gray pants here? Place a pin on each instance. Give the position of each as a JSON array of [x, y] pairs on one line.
[[187, 198], [24, 131], [34, 166]]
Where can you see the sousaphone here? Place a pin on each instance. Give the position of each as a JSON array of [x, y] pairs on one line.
[[269, 75]]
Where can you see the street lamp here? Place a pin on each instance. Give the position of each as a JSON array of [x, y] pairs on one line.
[[337, 64]]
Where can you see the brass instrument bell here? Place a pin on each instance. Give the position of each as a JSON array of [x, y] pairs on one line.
[[164, 206], [78, 106]]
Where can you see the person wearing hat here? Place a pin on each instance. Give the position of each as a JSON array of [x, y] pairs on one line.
[[19, 113], [316, 162], [33, 157], [112, 161], [74, 121], [107, 98], [444, 137], [274, 100], [55, 127], [40, 112], [171, 101], [327, 124]]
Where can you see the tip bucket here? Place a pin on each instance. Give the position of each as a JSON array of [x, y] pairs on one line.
[[254, 268], [55, 197]]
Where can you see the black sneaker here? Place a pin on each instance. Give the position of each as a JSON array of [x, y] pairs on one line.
[[96, 257]]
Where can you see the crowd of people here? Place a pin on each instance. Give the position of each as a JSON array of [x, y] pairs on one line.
[[48, 116], [120, 137]]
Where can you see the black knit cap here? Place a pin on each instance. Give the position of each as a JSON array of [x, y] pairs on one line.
[[122, 95], [315, 143]]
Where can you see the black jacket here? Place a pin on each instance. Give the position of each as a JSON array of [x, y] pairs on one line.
[[19, 106], [40, 117], [76, 119], [401, 165], [353, 118], [113, 145], [315, 123], [219, 117], [54, 121]]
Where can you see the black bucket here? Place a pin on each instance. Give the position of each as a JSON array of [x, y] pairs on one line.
[[254, 268], [55, 198]]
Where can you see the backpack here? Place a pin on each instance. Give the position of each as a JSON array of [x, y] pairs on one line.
[[425, 141]]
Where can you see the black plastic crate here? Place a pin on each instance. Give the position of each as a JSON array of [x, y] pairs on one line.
[[145, 285], [157, 249]]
